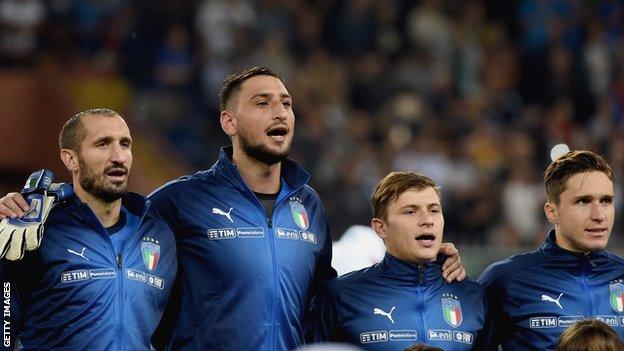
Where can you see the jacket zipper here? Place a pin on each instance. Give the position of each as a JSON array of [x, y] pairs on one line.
[[274, 283], [120, 298], [274, 280], [421, 301], [588, 293], [117, 258]]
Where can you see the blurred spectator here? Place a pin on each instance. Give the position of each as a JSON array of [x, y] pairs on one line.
[[20, 21], [596, 56], [523, 199], [350, 27], [174, 60], [431, 31], [93, 18], [218, 23]]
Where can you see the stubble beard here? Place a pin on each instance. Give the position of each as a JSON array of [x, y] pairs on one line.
[[261, 152], [94, 184]]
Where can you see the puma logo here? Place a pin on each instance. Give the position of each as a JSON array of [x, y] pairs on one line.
[[35, 208], [550, 299], [384, 313], [81, 254], [222, 213]]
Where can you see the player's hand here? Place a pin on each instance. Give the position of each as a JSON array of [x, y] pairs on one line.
[[452, 268], [13, 205], [24, 230]]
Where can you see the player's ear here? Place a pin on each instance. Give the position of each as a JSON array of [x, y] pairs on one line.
[[228, 122], [550, 210], [70, 159], [379, 227]]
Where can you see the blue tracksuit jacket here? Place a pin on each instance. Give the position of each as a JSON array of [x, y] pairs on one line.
[[536, 295], [245, 280], [395, 304], [76, 293]]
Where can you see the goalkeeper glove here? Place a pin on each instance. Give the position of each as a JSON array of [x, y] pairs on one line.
[[20, 234]]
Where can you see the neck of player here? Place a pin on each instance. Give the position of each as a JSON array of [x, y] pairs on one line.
[[259, 176], [106, 212]]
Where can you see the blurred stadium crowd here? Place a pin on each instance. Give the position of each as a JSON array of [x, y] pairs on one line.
[[471, 93]]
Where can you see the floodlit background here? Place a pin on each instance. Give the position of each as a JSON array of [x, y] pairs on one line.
[[472, 93]]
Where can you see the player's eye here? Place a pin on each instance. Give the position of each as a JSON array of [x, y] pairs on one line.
[[608, 201]]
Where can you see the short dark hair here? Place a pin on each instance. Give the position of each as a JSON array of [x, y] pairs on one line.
[[232, 83], [395, 184], [73, 132], [589, 335], [573, 162]]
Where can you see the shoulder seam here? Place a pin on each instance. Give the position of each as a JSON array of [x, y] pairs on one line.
[[510, 264]]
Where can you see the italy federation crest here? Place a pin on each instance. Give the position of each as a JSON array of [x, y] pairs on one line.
[[617, 297], [299, 213], [451, 308], [150, 250]]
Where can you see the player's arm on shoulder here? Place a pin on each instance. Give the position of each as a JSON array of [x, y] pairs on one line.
[[452, 269], [25, 213], [13, 205]]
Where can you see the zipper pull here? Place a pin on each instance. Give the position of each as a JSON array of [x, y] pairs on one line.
[[589, 260], [421, 274], [270, 222], [119, 262]]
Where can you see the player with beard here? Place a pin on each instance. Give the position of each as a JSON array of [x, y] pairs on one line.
[[102, 277], [252, 236]]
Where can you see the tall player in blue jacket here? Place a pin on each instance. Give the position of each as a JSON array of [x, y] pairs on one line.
[[103, 274], [536, 295], [403, 299], [252, 235]]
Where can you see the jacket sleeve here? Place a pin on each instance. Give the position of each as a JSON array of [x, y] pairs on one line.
[[164, 205], [496, 328], [326, 318], [483, 336], [322, 274], [162, 335], [323, 271]]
